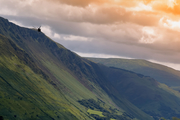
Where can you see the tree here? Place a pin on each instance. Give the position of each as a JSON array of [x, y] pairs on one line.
[[1, 118]]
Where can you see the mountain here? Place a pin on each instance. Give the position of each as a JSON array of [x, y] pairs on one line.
[[161, 73], [41, 79], [144, 92], [168, 78], [25, 89]]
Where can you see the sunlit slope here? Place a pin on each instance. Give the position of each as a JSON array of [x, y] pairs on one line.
[[64, 68], [159, 72], [26, 92], [76, 78]]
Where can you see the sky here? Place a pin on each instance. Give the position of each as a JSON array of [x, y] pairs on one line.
[[138, 29]]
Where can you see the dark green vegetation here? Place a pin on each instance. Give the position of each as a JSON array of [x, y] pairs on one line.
[[40, 79], [173, 118]]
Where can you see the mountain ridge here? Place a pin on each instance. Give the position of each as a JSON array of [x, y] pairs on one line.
[[162, 73], [73, 76], [75, 85]]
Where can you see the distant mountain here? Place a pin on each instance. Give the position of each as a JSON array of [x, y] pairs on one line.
[[144, 92], [41, 79], [161, 73]]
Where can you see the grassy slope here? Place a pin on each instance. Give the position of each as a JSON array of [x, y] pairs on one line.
[[147, 96], [95, 112], [159, 72], [24, 91], [67, 72], [144, 92]]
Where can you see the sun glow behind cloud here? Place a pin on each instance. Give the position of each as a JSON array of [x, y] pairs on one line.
[[141, 7], [148, 35], [171, 3], [170, 24], [146, 29]]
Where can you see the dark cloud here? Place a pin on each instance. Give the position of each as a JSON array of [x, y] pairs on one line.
[[125, 50], [80, 3], [119, 39], [114, 14], [93, 14], [100, 28], [111, 15]]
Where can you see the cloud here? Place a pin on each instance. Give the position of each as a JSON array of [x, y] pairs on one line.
[[135, 29], [108, 14], [103, 14], [95, 55], [75, 38], [81, 3], [148, 35], [167, 6]]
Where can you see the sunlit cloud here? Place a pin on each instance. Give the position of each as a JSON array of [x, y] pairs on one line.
[[48, 31], [96, 55], [141, 7], [146, 29], [148, 35], [171, 3], [172, 65], [76, 38], [170, 24]]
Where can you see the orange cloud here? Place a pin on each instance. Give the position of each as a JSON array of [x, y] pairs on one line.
[[81, 3], [84, 3], [114, 14], [164, 8], [167, 6]]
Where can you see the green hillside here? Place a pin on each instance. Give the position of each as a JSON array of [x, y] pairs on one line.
[[28, 93], [41, 79], [159, 72], [65, 85], [143, 92], [25, 91]]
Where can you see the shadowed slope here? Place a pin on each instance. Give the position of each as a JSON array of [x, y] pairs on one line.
[[144, 92], [159, 72]]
